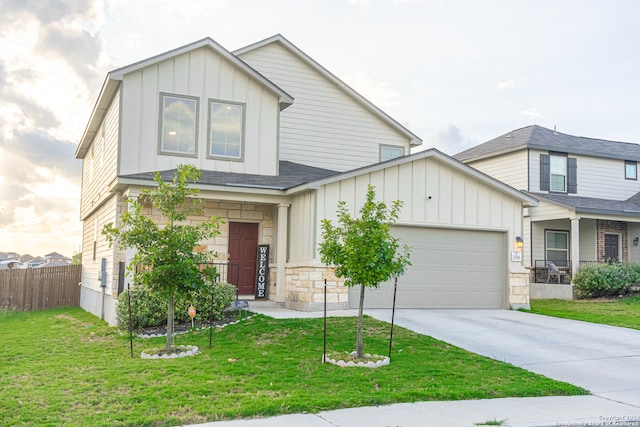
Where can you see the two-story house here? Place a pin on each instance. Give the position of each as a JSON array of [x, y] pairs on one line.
[[588, 190], [280, 141]]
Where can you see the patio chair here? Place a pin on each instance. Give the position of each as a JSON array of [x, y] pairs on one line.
[[553, 272]]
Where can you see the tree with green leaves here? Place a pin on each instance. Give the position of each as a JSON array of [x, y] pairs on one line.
[[165, 260], [363, 250]]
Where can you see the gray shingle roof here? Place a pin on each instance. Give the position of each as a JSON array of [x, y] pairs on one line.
[[537, 137], [291, 175], [629, 207]]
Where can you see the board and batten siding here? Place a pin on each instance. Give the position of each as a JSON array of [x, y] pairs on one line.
[[99, 165], [434, 195], [510, 168], [324, 127], [202, 74], [302, 228]]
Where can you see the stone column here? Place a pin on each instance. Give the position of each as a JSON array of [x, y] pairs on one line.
[[281, 251], [575, 245]]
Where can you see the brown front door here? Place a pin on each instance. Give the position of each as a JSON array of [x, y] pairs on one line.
[[611, 248], [243, 246]]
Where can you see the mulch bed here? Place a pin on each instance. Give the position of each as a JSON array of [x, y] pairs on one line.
[[184, 327]]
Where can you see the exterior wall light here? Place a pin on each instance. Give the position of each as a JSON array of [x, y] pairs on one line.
[[635, 242], [519, 242]]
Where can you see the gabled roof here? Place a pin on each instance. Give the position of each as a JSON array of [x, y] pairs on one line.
[[280, 39], [432, 152], [112, 83], [54, 255], [578, 204], [537, 137], [290, 175]]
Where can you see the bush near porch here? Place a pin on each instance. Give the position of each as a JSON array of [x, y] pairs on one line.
[[601, 280], [150, 308]]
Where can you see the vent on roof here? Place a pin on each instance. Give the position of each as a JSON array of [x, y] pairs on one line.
[[554, 130], [508, 136]]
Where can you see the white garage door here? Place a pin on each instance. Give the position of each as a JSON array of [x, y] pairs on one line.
[[450, 269]]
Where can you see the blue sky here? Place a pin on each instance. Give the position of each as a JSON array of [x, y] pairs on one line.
[[456, 73]]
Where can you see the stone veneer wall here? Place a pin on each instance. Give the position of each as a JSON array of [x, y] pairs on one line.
[[304, 289], [614, 227], [519, 290]]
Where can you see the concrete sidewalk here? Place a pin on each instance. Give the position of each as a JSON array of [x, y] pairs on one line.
[[574, 411]]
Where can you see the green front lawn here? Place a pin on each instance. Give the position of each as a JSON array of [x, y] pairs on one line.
[[65, 367], [623, 312]]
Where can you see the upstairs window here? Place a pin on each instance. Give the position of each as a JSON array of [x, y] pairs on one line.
[[630, 170], [226, 130], [558, 166], [178, 125], [558, 173], [388, 152]]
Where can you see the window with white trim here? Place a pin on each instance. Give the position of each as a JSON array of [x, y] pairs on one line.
[[558, 168], [557, 246], [630, 170], [388, 152], [226, 130], [178, 124]]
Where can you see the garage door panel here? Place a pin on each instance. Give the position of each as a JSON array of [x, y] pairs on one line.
[[450, 269]]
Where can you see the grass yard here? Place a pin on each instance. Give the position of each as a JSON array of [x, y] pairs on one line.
[[65, 367], [623, 312]]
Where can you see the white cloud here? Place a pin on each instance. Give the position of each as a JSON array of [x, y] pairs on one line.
[[509, 84], [377, 92], [532, 113]]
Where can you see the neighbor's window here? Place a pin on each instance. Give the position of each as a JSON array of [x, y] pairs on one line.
[[388, 152], [558, 168], [557, 246], [178, 125], [226, 129], [630, 170]]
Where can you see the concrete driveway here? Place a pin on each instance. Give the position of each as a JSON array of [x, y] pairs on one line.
[[603, 359]]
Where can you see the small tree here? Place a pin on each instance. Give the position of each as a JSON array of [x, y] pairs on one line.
[[363, 250], [165, 260]]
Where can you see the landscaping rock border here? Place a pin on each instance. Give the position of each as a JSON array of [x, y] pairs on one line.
[[185, 350], [186, 328], [350, 363]]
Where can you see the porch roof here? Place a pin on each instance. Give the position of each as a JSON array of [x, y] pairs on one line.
[[592, 205], [290, 175]]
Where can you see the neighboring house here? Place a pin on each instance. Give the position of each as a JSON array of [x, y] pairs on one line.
[[35, 262], [11, 264], [280, 141], [588, 190], [55, 257]]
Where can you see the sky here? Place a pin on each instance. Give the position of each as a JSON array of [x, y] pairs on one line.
[[455, 72]]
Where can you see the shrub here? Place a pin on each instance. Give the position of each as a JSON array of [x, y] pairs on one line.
[[600, 280], [150, 309]]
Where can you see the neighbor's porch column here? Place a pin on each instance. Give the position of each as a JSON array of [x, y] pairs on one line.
[[281, 251], [575, 245]]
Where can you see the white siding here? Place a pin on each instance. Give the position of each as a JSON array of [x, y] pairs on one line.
[[203, 74], [538, 235], [547, 211], [324, 127], [510, 168], [604, 179], [634, 251], [302, 239], [92, 231], [597, 177], [588, 240], [99, 166], [434, 194]]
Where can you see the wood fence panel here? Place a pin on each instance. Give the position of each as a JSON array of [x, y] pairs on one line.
[[34, 289]]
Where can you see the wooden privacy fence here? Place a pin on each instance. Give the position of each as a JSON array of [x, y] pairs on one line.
[[33, 289]]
